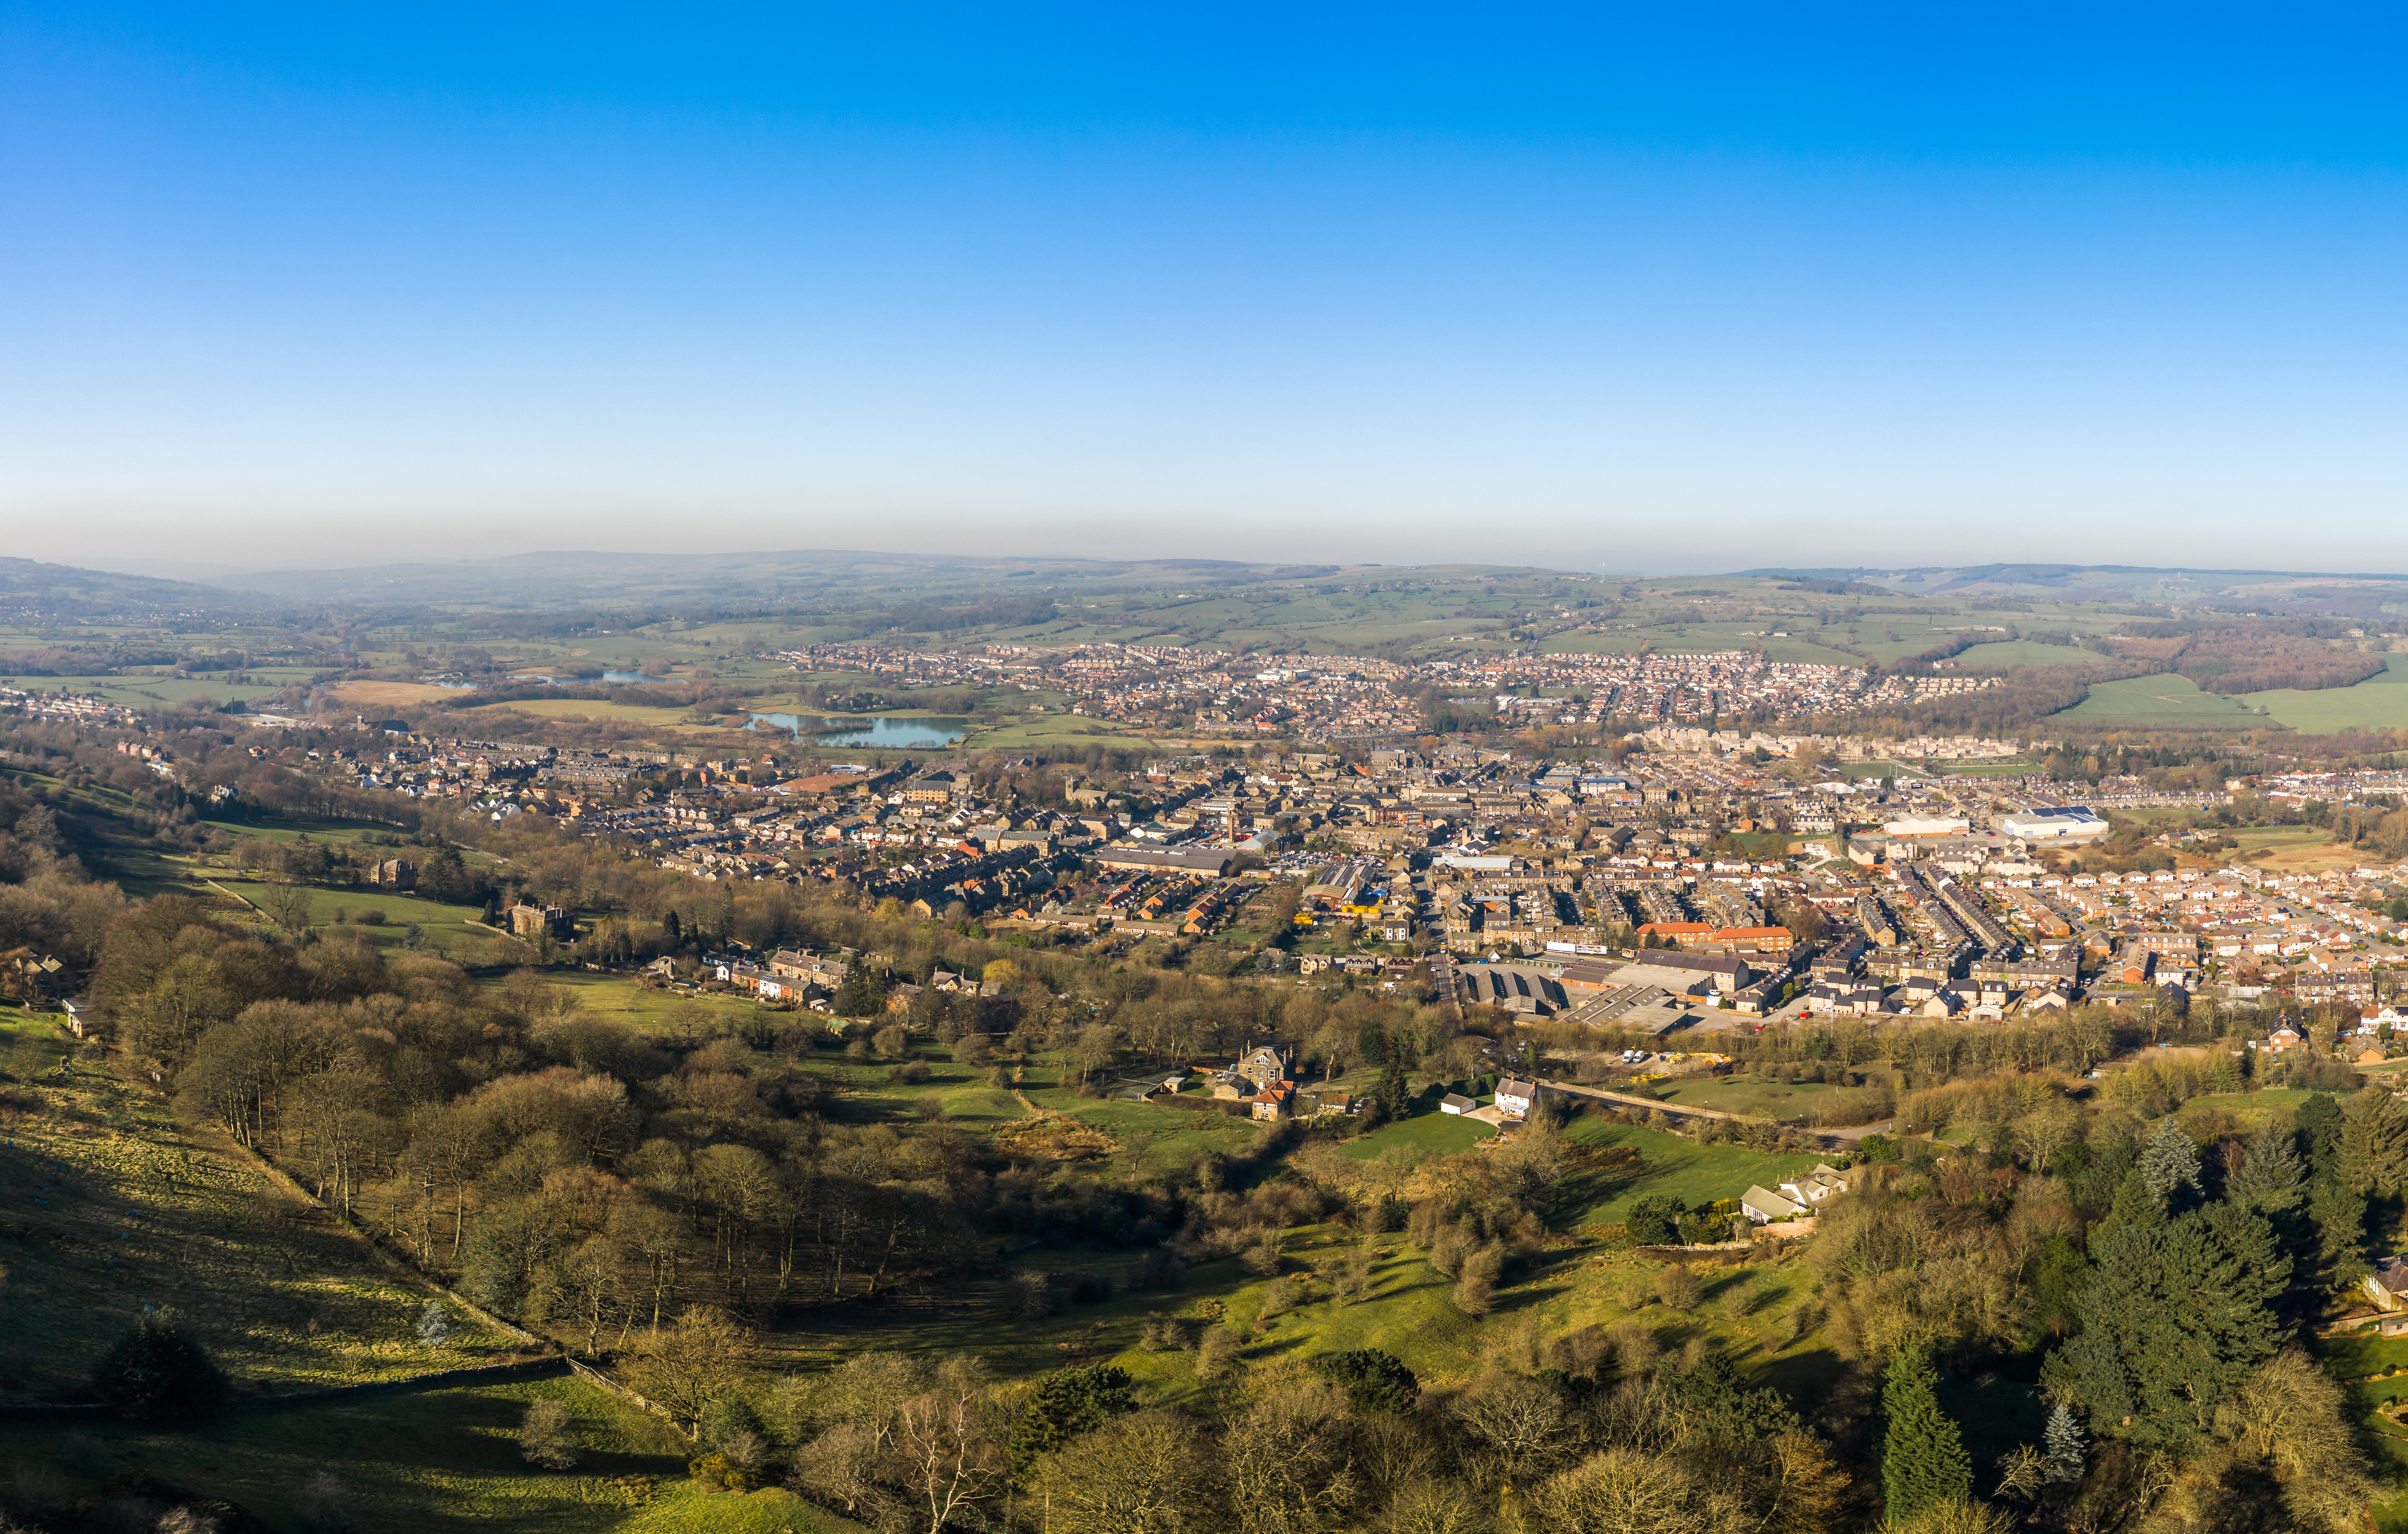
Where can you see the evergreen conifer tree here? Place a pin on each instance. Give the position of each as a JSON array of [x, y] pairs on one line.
[[2066, 1448], [2175, 1316], [2339, 1215], [1924, 1463], [2170, 1168], [2318, 1122], [1394, 1091], [2373, 1153], [2271, 1179], [1064, 1404]]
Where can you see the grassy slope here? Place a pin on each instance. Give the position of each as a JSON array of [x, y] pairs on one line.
[[424, 1460], [1694, 1173], [111, 1207], [449, 928], [2378, 702]]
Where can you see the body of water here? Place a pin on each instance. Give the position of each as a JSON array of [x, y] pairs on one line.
[[635, 679], [887, 734]]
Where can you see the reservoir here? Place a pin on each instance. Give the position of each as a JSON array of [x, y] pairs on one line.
[[881, 734]]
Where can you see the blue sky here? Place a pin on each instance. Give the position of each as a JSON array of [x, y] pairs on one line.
[[1580, 287]]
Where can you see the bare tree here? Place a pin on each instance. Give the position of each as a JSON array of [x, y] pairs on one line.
[[950, 1442]]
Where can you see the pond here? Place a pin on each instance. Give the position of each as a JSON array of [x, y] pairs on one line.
[[887, 734]]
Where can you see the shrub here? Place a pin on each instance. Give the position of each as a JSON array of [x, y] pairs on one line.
[[545, 1437], [1374, 1381], [1032, 1297], [1162, 1333], [434, 1325], [1678, 1288], [323, 1503], [1217, 1358], [157, 1374], [715, 1471]]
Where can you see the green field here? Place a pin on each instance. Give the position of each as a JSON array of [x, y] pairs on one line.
[[123, 1207], [438, 1458], [654, 1010], [1786, 1101], [446, 928], [2022, 652], [142, 690], [2166, 702], [1424, 1133], [1680, 1168], [2378, 702]]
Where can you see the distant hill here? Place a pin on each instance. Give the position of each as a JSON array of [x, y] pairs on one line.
[[2268, 593], [32, 591], [781, 578]]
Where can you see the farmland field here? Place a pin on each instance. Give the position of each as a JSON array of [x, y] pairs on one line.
[[2022, 652], [2161, 702], [446, 928], [384, 694], [142, 690], [2378, 702]]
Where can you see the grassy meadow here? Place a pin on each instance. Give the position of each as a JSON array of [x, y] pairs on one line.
[[2158, 703], [112, 1206], [2378, 702], [412, 1461]]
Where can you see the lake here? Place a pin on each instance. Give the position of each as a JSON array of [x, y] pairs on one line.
[[887, 734]]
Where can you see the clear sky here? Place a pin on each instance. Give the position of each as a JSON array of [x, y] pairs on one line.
[[1671, 288]]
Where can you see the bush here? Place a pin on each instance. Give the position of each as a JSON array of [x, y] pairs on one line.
[[157, 1374], [1217, 1356], [1032, 1297], [1678, 1288], [1374, 1381], [1162, 1333], [1088, 1288], [545, 1437], [715, 1471], [324, 1504], [1655, 1220]]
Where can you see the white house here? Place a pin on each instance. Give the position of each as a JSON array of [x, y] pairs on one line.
[[1514, 1096], [1813, 1187], [1762, 1207]]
